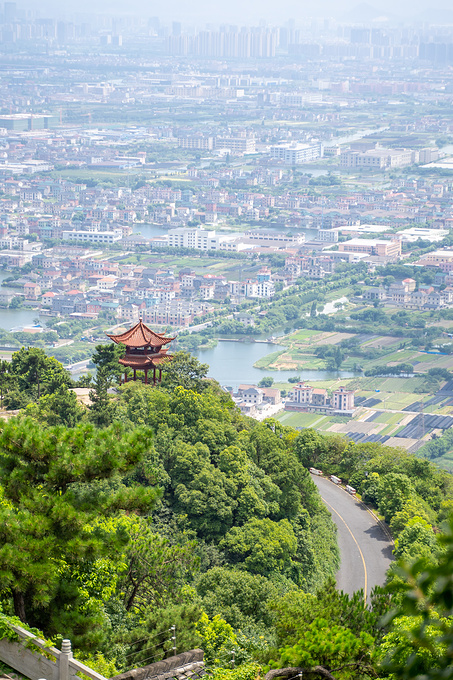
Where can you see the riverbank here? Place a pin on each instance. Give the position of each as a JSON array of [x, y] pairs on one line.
[[300, 351], [234, 363]]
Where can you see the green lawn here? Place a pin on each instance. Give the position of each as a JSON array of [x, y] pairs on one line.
[[375, 341], [283, 385], [389, 418], [400, 384], [389, 430], [294, 419], [334, 384], [301, 336], [304, 360], [400, 357], [399, 400], [425, 358], [265, 361]]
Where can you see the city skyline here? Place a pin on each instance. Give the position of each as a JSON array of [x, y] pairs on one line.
[[203, 11]]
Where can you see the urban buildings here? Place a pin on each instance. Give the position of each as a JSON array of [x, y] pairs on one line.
[[303, 397], [296, 154]]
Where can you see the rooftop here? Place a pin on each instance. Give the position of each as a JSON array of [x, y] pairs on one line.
[[140, 336]]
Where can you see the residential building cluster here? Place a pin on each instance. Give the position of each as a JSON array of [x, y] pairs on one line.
[[253, 400], [407, 294], [303, 397], [250, 159]]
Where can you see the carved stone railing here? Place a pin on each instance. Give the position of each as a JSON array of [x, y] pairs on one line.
[[30, 657]]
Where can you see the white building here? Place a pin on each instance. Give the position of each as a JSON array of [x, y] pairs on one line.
[[273, 238], [376, 158], [327, 235], [186, 237], [202, 239], [236, 145], [252, 289], [296, 154], [196, 142], [265, 289], [93, 236], [414, 233], [301, 99]]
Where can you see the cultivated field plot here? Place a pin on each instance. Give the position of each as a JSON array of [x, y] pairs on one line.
[[381, 341], [301, 337], [302, 344], [389, 412], [355, 426], [388, 419], [408, 444], [332, 338], [301, 419]]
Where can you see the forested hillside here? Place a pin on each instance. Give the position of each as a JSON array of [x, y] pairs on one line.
[[163, 506]]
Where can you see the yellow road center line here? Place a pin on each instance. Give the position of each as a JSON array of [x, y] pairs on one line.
[[355, 541]]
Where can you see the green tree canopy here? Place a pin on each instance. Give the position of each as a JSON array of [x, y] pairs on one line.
[[186, 371], [50, 480], [105, 358], [419, 644], [33, 374], [59, 408], [240, 597], [261, 545]]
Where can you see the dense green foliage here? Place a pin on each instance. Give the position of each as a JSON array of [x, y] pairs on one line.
[[163, 506], [51, 496], [400, 485], [437, 446], [220, 499]]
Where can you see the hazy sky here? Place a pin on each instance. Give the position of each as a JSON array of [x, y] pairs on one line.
[[236, 11]]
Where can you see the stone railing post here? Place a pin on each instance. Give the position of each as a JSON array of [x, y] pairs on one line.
[[63, 660]]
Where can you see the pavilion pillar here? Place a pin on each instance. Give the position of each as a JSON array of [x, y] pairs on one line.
[[125, 376], [154, 377], [135, 374], [146, 376], [160, 375]]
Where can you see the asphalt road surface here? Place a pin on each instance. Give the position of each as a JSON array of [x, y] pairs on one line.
[[365, 549]]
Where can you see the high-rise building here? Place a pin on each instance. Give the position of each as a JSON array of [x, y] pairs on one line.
[[9, 11]]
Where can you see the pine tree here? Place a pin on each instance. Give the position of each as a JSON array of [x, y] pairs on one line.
[[54, 485]]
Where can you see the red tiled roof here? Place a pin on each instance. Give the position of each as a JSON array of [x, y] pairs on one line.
[[144, 361], [140, 336]]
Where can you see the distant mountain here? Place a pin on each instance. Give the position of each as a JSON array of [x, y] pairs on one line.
[[367, 14]]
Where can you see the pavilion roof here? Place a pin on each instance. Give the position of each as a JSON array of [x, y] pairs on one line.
[[145, 361], [140, 336]]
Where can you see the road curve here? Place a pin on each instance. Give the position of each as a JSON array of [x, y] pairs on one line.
[[365, 549]]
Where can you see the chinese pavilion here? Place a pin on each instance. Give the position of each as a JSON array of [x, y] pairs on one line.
[[145, 350]]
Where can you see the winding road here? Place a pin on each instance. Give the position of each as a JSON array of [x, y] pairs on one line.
[[365, 548]]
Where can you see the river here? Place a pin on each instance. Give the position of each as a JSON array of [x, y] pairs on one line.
[[231, 364], [347, 139], [16, 318]]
